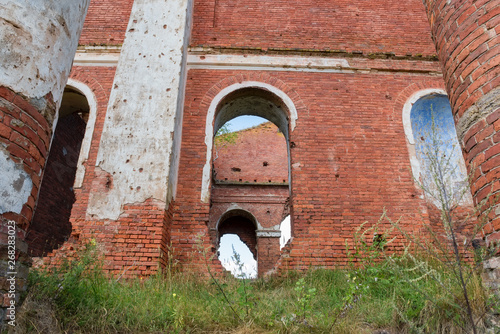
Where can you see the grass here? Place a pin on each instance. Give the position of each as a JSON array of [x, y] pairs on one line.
[[79, 298]]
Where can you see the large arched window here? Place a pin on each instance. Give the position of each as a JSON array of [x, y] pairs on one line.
[[64, 169], [251, 173], [437, 162]]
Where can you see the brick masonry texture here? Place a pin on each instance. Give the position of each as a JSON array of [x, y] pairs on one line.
[[466, 37], [392, 26], [25, 135], [268, 206], [349, 157], [348, 153], [257, 155], [106, 22]]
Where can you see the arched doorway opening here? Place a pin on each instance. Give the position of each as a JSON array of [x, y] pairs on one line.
[[51, 225], [247, 178], [237, 243]]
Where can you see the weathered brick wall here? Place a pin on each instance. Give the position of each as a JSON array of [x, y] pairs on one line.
[[382, 26], [466, 37], [50, 226], [266, 203], [24, 139], [37, 52], [132, 243], [106, 23], [349, 157], [348, 153], [25, 135], [258, 155]]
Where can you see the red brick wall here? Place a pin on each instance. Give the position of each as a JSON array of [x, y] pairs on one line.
[[381, 26], [466, 37], [268, 204], [268, 254], [25, 134], [50, 226], [348, 152], [106, 22], [134, 241], [258, 155], [349, 156]]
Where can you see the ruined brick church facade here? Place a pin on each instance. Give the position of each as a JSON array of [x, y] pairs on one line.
[[128, 160]]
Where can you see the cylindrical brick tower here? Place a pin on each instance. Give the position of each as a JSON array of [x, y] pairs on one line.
[[465, 33], [39, 41]]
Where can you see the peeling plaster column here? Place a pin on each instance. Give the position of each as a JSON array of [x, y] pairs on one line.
[[38, 42], [466, 38], [137, 155]]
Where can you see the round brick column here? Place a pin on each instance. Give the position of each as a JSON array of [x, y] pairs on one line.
[[466, 37], [39, 40]]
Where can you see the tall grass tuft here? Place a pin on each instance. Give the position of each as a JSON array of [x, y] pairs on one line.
[[79, 297]]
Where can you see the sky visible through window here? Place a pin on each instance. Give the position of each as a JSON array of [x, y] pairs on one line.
[[245, 122]]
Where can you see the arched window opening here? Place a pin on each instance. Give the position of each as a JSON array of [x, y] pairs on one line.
[[236, 257], [250, 168], [51, 220], [442, 171]]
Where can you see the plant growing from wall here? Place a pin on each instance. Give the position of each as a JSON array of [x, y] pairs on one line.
[[223, 138]]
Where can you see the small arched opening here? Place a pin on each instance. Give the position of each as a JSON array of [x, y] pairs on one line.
[[237, 243]]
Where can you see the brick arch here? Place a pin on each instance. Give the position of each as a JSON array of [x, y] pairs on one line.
[[402, 109], [243, 224], [212, 99], [258, 77], [410, 90], [63, 173]]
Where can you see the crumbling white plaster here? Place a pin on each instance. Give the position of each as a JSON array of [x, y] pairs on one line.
[[15, 184], [96, 59], [89, 130], [176, 146], [268, 234], [136, 143], [38, 42], [291, 119]]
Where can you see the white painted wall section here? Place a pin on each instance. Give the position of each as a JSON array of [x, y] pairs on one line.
[[89, 130], [136, 143], [38, 42], [15, 184]]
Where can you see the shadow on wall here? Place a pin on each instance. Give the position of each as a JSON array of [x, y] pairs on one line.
[[51, 225]]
